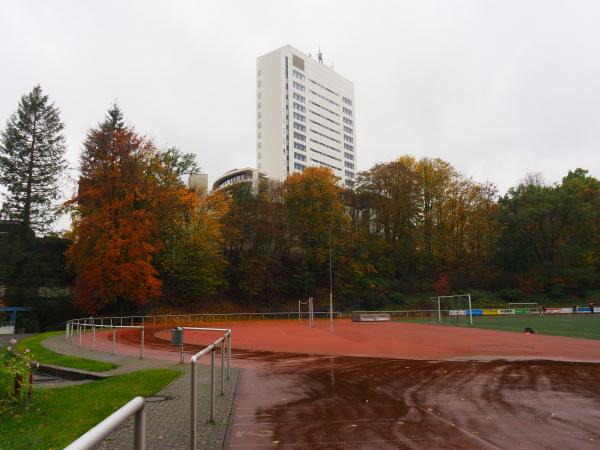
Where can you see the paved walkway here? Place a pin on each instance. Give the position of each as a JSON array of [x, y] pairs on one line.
[[167, 422], [126, 364]]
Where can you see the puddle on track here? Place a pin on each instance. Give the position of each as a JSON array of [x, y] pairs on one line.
[[321, 402]]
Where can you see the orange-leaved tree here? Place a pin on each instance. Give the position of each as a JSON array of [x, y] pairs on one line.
[[316, 219], [124, 198]]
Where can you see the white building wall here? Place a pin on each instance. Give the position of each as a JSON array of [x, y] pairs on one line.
[[305, 116]]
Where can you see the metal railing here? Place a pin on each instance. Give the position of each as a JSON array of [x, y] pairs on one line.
[[195, 318], [101, 431], [76, 328], [223, 341]]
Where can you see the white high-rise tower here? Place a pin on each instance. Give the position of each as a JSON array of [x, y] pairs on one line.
[[304, 116]]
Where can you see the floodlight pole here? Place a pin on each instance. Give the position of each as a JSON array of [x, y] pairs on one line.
[[330, 287]]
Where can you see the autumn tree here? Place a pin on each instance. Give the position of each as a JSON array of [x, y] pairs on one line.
[[192, 265], [126, 196], [317, 221], [551, 233], [256, 244], [32, 148]]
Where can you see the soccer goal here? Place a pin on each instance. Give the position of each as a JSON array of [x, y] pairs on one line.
[[524, 305], [310, 311], [452, 309]]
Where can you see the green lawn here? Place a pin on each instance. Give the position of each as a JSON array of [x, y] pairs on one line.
[[43, 355], [581, 326], [56, 417]]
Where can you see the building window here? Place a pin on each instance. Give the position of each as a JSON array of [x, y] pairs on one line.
[[350, 184], [259, 95], [299, 166], [259, 84], [299, 146], [299, 97], [299, 126], [347, 129], [349, 174], [298, 74], [347, 101], [258, 125], [348, 121], [347, 111], [259, 135], [299, 107], [299, 117], [349, 156], [348, 138], [349, 165], [259, 145], [300, 156], [258, 105], [299, 136], [259, 156], [259, 73], [298, 86], [348, 147]]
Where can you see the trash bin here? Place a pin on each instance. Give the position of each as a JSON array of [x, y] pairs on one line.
[[177, 336]]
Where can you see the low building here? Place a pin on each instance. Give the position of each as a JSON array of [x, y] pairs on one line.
[[198, 182], [235, 176]]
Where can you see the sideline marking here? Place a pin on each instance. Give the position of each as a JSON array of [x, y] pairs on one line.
[[471, 435]]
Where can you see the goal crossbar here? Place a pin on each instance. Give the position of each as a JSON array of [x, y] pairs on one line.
[[441, 297]]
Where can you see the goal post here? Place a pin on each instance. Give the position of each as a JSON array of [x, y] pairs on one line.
[[523, 305], [310, 311], [452, 308]]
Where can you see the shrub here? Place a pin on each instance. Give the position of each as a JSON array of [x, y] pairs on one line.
[[397, 298], [15, 368], [511, 295]]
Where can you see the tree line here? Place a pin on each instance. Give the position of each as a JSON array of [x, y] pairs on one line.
[[140, 239]]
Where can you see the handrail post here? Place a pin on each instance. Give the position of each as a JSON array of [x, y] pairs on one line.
[[93, 338], [223, 366], [114, 336], [194, 406], [229, 355], [142, 343], [212, 385], [140, 429], [80, 337]]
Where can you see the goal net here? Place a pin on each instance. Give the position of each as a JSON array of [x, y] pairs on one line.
[[530, 306], [452, 309], [310, 312]]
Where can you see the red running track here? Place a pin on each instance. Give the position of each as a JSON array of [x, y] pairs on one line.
[[397, 340], [387, 392]]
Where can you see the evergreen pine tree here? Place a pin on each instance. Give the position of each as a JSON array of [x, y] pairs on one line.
[[99, 142], [32, 149]]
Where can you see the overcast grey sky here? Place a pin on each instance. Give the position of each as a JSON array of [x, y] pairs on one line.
[[498, 88]]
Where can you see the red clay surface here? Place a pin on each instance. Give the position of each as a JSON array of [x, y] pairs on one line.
[[371, 403], [392, 388], [397, 340]]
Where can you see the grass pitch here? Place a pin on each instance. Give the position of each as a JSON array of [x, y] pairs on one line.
[[580, 326]]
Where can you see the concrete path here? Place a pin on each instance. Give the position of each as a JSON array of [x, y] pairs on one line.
[[126, 364], [168, 421]]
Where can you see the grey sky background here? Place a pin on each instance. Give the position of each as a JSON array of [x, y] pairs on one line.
[[497, 88]]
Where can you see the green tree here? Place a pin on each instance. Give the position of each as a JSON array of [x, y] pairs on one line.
[[32, 149], [316, 221]]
